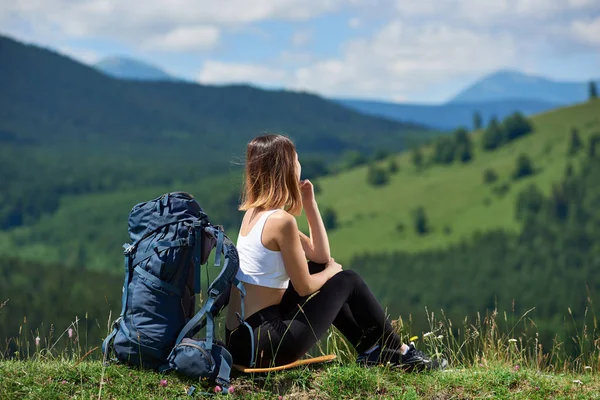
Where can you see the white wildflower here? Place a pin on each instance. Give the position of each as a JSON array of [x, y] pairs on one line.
[[428, 334], [512, 340]]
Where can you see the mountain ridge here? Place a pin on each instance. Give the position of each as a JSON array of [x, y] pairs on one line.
[[510, 84], [124, 67]]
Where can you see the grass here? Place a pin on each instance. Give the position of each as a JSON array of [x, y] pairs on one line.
[[487, 359], [88, 379]]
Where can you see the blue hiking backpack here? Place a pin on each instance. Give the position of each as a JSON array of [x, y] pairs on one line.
[[171, 237]]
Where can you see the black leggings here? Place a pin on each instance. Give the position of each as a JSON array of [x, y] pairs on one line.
[[283, 333]]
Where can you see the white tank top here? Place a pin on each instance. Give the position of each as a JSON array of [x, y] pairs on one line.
[[259, 265]]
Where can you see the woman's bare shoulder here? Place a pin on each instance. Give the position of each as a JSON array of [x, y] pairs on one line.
[[283, 221]]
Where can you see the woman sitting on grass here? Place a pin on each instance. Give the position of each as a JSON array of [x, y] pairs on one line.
[[290, 303]]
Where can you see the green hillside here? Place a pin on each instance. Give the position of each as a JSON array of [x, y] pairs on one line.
[[68, 130], [455, 196]]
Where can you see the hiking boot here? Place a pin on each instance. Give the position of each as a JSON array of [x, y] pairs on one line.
[[370, 357], [416, 360], [413, 360]]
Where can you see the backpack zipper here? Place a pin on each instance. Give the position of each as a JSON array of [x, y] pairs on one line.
[[202, 350]]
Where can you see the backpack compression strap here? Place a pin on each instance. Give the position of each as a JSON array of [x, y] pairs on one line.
[[218, 286], [106, 344]]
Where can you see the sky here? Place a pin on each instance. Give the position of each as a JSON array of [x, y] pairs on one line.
[[418, 51]]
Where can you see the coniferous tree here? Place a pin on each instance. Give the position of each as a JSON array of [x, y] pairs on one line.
[[477, 121], [464, 146], [493, 136], [417, 157], [593, 90], [515, 126], [594, 143], [421, 222], [575, 142]]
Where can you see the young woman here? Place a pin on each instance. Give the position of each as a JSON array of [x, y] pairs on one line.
[[290, 303]]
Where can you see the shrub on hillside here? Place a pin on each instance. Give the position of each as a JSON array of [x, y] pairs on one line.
[[464, 153], [377, 176], [569, 170], [313, 167], [502, 189], [490, 176], [529, 202], [444, 150], [523, 168], [380, 154], [330, 219], [393, 166], [353, 158], [417, 157], [317, 188], [400, 227]]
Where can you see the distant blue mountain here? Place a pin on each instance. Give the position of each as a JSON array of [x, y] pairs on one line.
[[447, 116], [508, 84], [128, 68], [498, 94]]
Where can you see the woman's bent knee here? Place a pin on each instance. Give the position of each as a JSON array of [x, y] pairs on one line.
[[349, 276]]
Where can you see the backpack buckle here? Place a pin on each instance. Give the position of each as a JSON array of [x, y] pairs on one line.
[[128, 248]]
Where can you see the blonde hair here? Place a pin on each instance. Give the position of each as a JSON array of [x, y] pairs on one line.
[[271, 180]]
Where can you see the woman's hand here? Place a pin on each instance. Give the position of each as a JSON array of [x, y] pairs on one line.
[[307, 191], [333, 267]]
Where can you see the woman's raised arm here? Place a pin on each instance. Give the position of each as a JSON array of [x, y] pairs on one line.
[[316, 246], [294, 258]]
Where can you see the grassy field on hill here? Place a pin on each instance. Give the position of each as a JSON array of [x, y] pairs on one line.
[[60, 380], [454, 196], [484, 362]]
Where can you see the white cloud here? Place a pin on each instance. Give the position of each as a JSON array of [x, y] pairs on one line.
[[417, 45], [495, 12], [354, 23], [184, 39], [400, 59], [222, 72], [588, 31], [133, 22], [302, 37]]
